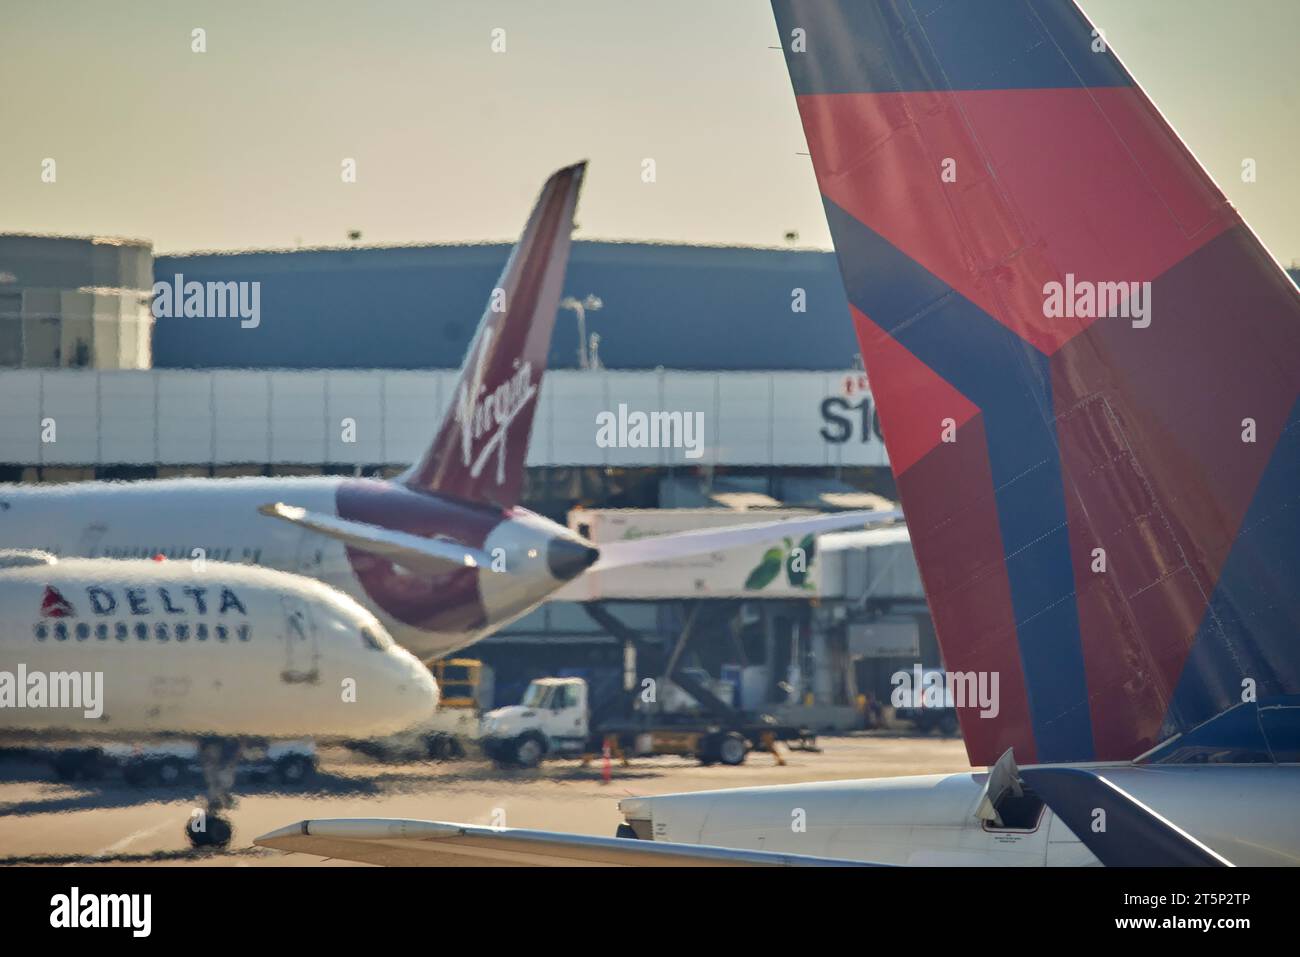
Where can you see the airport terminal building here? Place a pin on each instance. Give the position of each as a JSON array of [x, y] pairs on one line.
[[75, 302], [349, 363]]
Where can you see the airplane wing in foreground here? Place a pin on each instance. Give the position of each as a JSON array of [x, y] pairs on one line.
[[400, 843]]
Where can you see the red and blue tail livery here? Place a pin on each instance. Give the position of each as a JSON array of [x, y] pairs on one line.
[[1085, 363]]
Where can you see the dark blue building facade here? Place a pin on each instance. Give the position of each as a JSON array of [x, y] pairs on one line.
[[416, 307]]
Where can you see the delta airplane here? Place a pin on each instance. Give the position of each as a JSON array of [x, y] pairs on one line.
[[444, 554], [1106, 513], [101, 650]]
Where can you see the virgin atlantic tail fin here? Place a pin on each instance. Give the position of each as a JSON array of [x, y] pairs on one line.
[[479, 451], [1086, 367]]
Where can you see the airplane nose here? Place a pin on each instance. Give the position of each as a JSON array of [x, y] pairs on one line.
[[424, 684], [413, 695], [567, 558]]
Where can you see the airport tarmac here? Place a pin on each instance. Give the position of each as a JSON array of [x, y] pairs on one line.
[[44, 821]]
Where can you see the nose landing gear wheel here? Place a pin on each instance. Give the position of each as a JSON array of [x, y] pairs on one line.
[[216, 832], [219, 757]]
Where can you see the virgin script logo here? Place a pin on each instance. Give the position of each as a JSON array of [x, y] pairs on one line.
[[482, 413]]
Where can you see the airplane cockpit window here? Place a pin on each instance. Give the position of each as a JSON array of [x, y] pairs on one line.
[[372, 640]]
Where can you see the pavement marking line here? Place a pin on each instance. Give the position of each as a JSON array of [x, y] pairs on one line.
[[120, 845]]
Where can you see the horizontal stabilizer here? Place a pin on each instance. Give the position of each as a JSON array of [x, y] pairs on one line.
[[398, 843], [1114, 825], [666, 548], [433, 556], [662, 548]]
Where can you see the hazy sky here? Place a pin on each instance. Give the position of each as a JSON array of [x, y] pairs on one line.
[[241, 146]]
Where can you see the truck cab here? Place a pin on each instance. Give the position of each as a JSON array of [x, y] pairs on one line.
[[552, 719], [932, 708]]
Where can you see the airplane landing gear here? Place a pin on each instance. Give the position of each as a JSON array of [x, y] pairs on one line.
[[219, 758], [216, 832]]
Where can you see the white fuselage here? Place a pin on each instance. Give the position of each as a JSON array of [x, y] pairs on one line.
[[219, 517], [1246, 813], [132, 649]]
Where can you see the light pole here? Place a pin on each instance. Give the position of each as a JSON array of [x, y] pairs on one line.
[[592, 302]]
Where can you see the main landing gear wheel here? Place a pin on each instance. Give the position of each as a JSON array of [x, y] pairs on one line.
[[77, 765], [170, 771], [445, 747], [440, 747], [294, 769]]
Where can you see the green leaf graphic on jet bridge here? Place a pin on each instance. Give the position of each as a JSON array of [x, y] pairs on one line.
[[766, 570]]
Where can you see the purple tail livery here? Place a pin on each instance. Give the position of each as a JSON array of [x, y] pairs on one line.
[[478, 454], [1085, 363]]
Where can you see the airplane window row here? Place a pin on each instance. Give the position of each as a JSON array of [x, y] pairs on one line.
[[161, 631]]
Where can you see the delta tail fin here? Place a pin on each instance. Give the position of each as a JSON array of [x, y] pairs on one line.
[[1086, 367], [479, 451]]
